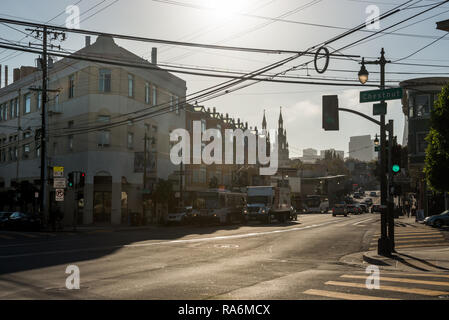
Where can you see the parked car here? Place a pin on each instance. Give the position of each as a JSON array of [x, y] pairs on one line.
[[179, 215], [375, 208], [339, 209], [438, 220], [23, 221], [4, 218], [373, 194], [369, 201]]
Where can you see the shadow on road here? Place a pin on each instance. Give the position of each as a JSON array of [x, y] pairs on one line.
[[64, 249]]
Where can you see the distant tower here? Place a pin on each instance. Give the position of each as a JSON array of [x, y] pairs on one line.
[[264, 121], [282, 142]]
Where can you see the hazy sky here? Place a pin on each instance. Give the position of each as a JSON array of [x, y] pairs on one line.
[[224, 22]]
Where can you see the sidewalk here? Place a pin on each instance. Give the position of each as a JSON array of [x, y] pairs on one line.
[[431, 258], [104, 228]]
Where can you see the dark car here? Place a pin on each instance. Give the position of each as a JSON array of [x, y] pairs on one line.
[[353, 208], [4, 218], [375, 208], [23, 221], [438, 220], [364, 207], [339, 209]]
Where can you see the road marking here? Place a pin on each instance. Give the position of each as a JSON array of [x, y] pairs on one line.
[[341, 295], [366, 220], [424, 292], [430, 275], [436, 244], [402, 280], [235, 236]]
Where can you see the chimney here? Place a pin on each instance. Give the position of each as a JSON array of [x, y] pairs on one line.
[[16, 74], [87, 41], [154, 55], [6, 76]]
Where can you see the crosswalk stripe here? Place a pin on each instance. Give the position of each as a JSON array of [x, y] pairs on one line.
[[341, 295], [424, 292], [437, 244], [411, 233], [403, 280], [430, 275], [414, 240]]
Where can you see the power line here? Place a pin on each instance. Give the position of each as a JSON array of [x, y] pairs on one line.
[[421, 49]]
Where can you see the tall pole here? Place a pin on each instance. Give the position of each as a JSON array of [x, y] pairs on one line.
[[43, 126], [144, 172], [383, 241], [390, 183], [180, 186]]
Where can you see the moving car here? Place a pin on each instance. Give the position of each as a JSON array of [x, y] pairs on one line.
[[373, 194], [364, 207], [438, 220], [23, 221], [339, 209], [368, 201], [375, 208], [179, 215], [352, 208]]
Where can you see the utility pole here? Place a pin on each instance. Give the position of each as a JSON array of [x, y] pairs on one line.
[[145, 164], [43, 134], [384, 242], [390, 183], [180, 185]]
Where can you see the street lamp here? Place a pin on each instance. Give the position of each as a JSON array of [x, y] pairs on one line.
[[363, 73], [376, 141]]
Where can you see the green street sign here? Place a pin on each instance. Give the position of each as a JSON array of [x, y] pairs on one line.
[[379, 95], [379, 109]]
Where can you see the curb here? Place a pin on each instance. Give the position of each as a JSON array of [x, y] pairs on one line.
[[374, 261]]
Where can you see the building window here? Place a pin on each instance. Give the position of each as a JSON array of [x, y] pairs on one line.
[[154, 96], [202, 175], [26, 150], [105, 80], [130, 85], [38, 151], [11, 109], [177, 104], [26, 135], [172, 101], [147, 93], [130, 140], [1, 112], [70, 142], [421, 143], [5, 111], [203, 125], [104, 118], [422, 105], [27, 103], [71, 86], [104, 138], [39, 100], [56, 99], [16, 107]]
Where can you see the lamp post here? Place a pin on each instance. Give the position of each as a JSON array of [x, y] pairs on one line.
[[384, 247]]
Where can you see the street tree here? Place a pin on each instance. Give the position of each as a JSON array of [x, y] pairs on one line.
[[436, 165]]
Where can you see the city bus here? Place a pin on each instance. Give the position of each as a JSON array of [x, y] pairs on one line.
[[220, 206]]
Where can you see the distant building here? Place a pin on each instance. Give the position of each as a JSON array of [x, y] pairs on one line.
[[361, 148], [309, 155], [339, 153]]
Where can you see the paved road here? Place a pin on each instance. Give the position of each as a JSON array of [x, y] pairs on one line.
[[298, 260]]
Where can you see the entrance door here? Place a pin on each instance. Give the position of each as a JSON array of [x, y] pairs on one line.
[[102, 206]]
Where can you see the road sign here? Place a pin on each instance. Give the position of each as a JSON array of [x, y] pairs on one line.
[[59, 195], [58, 172], [59, 183], [379, 109], [378, 95]]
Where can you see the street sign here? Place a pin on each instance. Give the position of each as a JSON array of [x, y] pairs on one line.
[[379, 109], [378, 95], [59, 195], [59, 183], [58, 172]]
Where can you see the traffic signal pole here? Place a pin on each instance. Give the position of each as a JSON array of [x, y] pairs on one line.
[[390, 207]]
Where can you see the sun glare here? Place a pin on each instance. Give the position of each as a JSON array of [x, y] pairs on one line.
[[225, 8]]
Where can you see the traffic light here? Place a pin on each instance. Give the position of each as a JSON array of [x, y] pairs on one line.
[[396, 158], [82, 179], [70, 180], [330, 113]]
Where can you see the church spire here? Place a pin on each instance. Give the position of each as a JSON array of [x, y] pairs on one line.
[[281, 121], [264, 121]]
